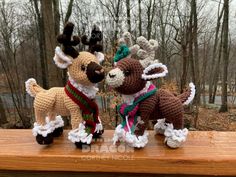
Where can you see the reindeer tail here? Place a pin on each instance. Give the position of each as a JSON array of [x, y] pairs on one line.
[[188, 96], [32, 88]]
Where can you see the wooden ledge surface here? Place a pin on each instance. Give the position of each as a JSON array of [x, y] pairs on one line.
[[204, 153]]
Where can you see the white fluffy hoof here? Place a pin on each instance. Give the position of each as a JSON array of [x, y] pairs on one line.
[[130, 139], [172, 143], [175, 138], [43, 130], [58, 122], [160, 126], [80, 135]]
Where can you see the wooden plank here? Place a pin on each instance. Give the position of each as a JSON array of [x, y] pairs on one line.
[[204, 153], [84, 174]]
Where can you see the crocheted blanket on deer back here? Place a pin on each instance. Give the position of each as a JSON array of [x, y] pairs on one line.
[[88, 107], [130, 113]]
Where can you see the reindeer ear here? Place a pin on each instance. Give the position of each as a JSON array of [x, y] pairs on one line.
[[61, 60], [99, 56], [154, 71]]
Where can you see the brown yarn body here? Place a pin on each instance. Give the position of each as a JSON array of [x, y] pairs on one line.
[[163, 104]]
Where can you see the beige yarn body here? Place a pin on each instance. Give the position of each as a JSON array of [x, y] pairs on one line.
[[54, 101]]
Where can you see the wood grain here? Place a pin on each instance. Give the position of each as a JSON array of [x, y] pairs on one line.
[[204, 153]]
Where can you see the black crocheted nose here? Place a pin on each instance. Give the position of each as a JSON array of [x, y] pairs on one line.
[[95, 72]]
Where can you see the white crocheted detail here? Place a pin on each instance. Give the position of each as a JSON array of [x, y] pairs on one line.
[[80, 135], [43, 130], [99, 126], [28, 84], [131, 139], [160, 126], [59, 55], [129, 99], [58, 122], [89, 91], [100, 56], [192, 94], [175, 138], [157, 75]]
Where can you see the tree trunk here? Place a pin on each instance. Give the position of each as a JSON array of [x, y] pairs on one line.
[[117, 16], [150, 15], [69, 11], [128, 15], [213, 70], [3, 117], [217, 70], [50, 42], [56, 13], [197, 99], [185, 68], [40, 36], [140, 17], [224, 106]]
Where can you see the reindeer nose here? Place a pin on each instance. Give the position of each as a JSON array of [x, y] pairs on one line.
[[95, 72], [111, 75]]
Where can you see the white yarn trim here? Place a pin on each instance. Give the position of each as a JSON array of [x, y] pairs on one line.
[[43, 130], [160, 126], [58, 122], [129, 99], [28, 84], [132, 140], [192, 94], [174, 138], [89, 91], [154, 76], [99, 126], [100, 56], [80, 135], [59, 55]]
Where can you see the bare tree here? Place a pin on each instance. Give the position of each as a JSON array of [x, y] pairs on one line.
[[214, 71], [140, 17], [9, 32], [225, 31], [3, 117], [41, 38], [128, 15], [50, 42]]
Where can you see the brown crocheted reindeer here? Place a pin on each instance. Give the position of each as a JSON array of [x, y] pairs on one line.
[[142, 100], [76, 99]]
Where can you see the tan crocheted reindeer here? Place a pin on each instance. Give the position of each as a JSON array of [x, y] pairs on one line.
[[142, 100], [75, 99]]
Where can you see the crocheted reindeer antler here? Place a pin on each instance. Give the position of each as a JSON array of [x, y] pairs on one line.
[[147, 51], [96, 36], [67, 43]]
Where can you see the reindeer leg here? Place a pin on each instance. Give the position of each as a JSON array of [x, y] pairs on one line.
[[175, 134], [140, 137], [171, 109], [78, 134], [42, 130], [57, 122], [160, 126]]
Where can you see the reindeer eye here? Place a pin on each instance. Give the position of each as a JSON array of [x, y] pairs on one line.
[[83, 67], [127, 72]]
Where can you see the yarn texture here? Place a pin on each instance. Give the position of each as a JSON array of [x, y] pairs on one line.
[[160, 105], [76, 99]]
